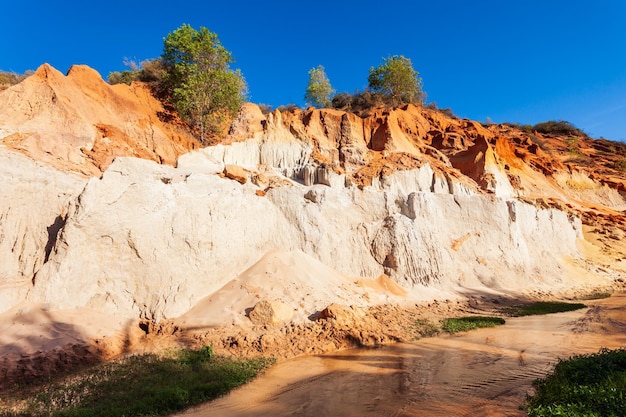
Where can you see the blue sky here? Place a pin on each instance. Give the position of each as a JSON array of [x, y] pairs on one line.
[[525, 61]]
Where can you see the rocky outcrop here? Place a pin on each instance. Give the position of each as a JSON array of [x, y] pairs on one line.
[[80, 123], [237, 173], [270, 313]]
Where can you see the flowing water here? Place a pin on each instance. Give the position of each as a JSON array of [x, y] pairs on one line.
[[486, 372]]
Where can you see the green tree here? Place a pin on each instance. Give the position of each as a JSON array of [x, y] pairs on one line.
[[319, 91], [397, 80], [203, 88]]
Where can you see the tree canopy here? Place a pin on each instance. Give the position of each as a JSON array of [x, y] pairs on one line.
[[397, 80], [203, 88], [319, 91]]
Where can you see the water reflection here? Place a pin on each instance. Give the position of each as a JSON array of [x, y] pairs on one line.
[[487, 372]]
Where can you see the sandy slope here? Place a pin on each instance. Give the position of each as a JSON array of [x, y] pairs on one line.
[[294, 278]]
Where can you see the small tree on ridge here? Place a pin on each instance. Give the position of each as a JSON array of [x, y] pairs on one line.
[[203, 88], [319, 91], [397, 80]]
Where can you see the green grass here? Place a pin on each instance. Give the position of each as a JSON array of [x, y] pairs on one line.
[[586, 386], [145, 385], [542, 307], [464, 324]]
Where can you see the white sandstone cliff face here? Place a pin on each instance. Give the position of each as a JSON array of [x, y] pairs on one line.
[[150, 241], [34, 201], [146, 239]]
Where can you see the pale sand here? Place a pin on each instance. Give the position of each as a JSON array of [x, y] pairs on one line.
[[300, 281]]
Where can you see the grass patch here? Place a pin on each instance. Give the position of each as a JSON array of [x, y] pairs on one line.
[[426, 328], [542, 307], [464, 324], [585, 385], [143, 385], [595, 296]]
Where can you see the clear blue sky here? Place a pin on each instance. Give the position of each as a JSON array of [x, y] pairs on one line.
[[517, 61]]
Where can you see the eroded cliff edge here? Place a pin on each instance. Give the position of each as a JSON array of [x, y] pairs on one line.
[[303, 208]]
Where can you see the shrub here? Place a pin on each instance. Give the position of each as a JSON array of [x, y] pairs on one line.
[[7, 79], [342, 101], [426, 328], [122, 77], [447, 111], [358, 102], [526, 128], [265, 108], [288, 107], [150, 70], [558, 128]]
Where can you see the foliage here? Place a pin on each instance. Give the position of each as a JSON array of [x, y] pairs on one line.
[[543, 307], [150, 70], [596, 296], [584, 385], [8, 79], [265, 108], [288, 107], [397, 81], [447, 111], [573, 146], [122, 77], [203, 88], [426, 328], [357, 102], [141, 385], [318, 91], [560, 127], [464, 324], [526, 128]]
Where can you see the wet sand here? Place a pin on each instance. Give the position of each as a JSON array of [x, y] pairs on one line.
[[487, 372]]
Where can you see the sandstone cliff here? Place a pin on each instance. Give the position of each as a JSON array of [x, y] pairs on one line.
[[444, 207], [80, 123]]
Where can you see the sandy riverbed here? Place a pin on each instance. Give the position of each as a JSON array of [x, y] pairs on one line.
[[487, 372]]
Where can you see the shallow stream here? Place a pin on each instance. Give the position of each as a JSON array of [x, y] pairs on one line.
[[486, 372]]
